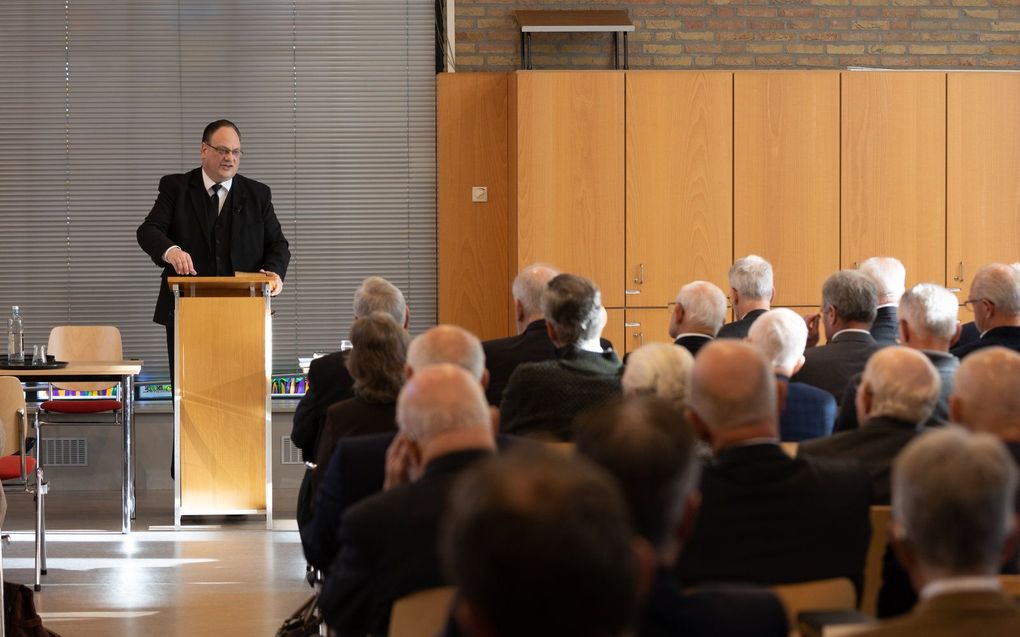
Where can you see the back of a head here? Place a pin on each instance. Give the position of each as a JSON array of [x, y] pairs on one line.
[[853, 294], [539, 545], [987, 388], [447, 344], [376, 294], [931, 310], [529, 285], [651, 450], [1000, 284], [953, 496], [732, 385], [902, 383], [659, 369], [572, 305], [888, 274], [440, 399], [751, 277], [781, 334], [704, 305], [377, 361]]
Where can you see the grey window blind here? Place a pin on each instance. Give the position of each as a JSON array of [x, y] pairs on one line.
[[336, 105]]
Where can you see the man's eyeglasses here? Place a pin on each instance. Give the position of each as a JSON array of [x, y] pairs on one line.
[[223, 151], [969, 303]]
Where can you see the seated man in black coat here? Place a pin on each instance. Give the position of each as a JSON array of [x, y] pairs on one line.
[[697, 316], [751, 292], [995, 300], [765, 518], [898, 393], [388, 541], [543, 398], [890, 278], [646, 444]]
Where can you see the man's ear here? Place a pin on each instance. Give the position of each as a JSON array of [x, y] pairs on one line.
[[551, 331], [904, 332], [734, 297], [675, 319], [863, 400], [518, 310], [485, 378], [408, 372], [407, 317], [904, 551], [799, 364], [686, 528], [700, 428], [956, 335], [647, 562]]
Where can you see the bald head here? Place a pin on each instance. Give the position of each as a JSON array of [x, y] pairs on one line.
[[889, 277], [733, 387], [447, 344], [996, 296], [986, 393], [527, 289], [440, 400], [898, 382], [700, 308]]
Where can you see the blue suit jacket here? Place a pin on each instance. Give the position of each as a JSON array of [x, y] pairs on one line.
[[809, 412]]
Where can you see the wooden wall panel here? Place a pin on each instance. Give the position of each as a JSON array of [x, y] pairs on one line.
[[649, 325], [786, 177], [614, 331], [983, 180], [679, 182], [570, 175], [894, 171], [472, 147]]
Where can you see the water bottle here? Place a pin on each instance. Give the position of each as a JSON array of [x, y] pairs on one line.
[[15, 337]]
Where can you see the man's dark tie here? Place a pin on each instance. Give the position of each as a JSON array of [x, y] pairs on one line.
[[214, 204]]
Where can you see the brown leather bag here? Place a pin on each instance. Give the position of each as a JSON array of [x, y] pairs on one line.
[[20, 618]]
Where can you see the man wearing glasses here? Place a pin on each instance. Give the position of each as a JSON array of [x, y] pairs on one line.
[[212, 222], [995, 301]]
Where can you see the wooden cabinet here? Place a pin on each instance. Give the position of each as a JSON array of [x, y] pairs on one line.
[[614, 330], [786, 177], [894, 171], [649, 325], [679, 182], [983, 179]]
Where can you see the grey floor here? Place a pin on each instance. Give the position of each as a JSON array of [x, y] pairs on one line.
[[229, 577]]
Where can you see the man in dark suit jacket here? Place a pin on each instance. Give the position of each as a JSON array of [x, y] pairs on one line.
[[995, 300], [388, 541], [697, 316], [751, 293], [765, 518], [212, 222], [655, 461], [848, 308], [897, 395], [890, 278], [928, 324]]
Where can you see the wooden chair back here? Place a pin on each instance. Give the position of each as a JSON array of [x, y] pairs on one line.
[[422, 614], [827, 594], [790, 448], [12, 398], [85, 343], [1010, 585], [880, 515]]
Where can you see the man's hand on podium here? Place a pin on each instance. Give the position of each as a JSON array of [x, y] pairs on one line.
[[181, 261], [275, 282]]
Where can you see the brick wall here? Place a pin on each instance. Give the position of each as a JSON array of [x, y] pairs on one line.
[[734, 34]]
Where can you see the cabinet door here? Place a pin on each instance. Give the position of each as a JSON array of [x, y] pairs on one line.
[[679, 182], [786, 177], [983, 189], [894, 171], [614, 331], [569, 181], [650, 325]]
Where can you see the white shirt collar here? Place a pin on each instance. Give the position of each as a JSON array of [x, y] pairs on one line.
[[693, 334], [888, 305], [972, 584], [850, 329], [224, 185]]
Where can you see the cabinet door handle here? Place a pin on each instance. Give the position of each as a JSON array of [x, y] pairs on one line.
[[641, 338], [959, 275], [857, 266], [640, 279], [632, 325]]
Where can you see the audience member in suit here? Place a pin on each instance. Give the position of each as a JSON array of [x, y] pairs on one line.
[[765, 518], [952, 520], [659, 369], [329, 381], [358, 466], [890, 278], [698, 314], [543, 398], [995, 300], [848, 308], [806, 412], [969, 333], [928, 324], [388, 541], [896, 397], [540, 545], [645, 443], [751, 292]]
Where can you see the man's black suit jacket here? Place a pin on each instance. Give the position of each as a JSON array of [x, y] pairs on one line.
[[739, 328], [1006, 336], [886, 328], [389, 548], [831, 366], [329, 382], [693, 344], [770, 519], [179, 217]]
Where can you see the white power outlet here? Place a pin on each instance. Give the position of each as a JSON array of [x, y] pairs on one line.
[[479, 194]]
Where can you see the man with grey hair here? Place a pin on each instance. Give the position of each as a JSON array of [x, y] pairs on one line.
[[698, 314], [751, 292], [766, 518], [952, 520], [388, 541], [995, 300], [543, 398], [897, 395], [808, 412], [927, 323], [849, 299], [890, 278]]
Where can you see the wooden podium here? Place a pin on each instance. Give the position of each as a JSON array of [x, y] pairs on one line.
[[222, 391]]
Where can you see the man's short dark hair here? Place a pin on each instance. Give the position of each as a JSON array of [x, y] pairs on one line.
[[215, 126], [651, 450], [572, 304], [853, 294], [539, 544]]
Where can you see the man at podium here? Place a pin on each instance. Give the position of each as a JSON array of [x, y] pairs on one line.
[[212, 222]]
